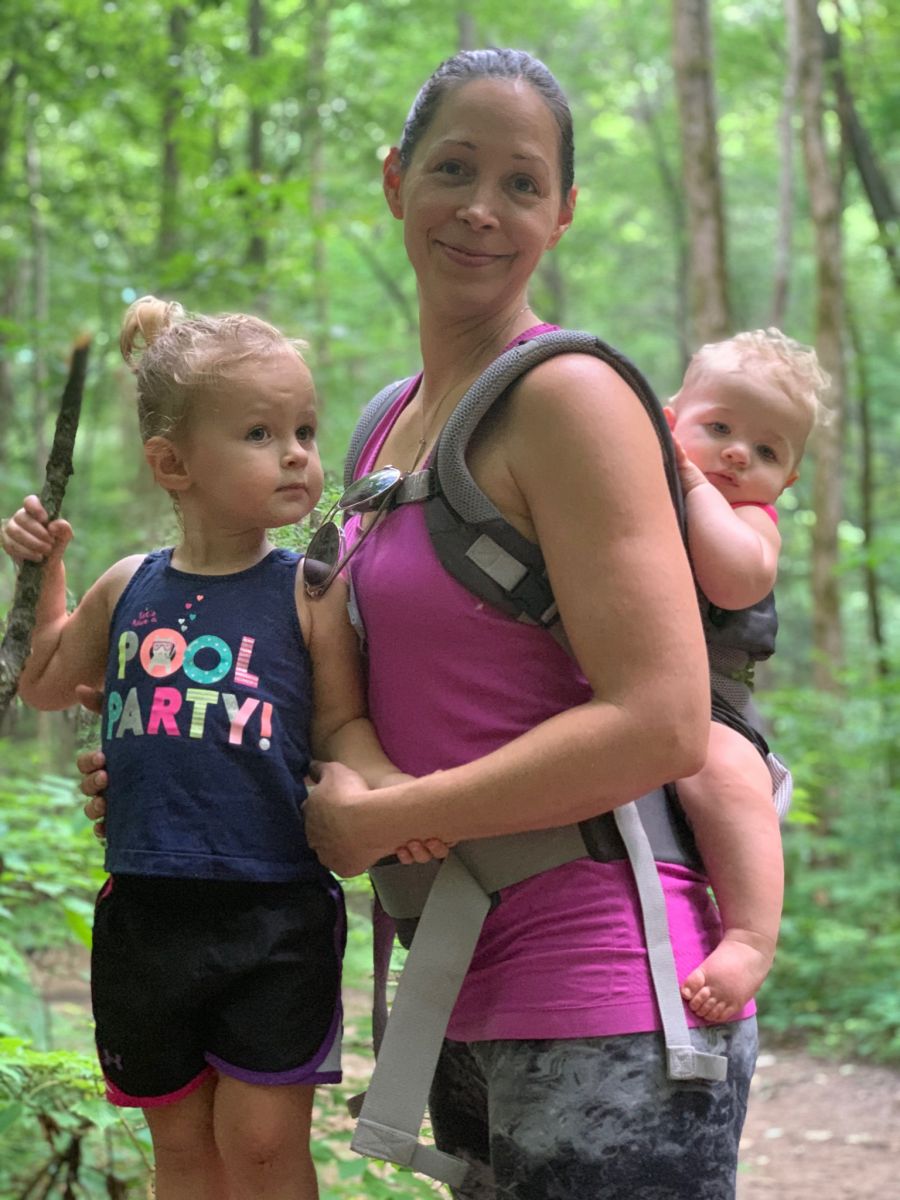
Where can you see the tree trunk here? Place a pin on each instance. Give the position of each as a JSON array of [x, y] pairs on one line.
[[783, 242], [168, 236], [825, 208], [707, 271], [646, 112], [8, 304], [10, 259], [39, 297], [8, 93], [319, 32], [867, 497], [468, 32], [875, 183], [256, 246], [553, 283]]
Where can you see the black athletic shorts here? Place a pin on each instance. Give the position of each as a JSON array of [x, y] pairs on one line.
[[194, 976]]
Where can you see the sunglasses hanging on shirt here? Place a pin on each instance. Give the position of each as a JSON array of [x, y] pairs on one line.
[[326, 554]]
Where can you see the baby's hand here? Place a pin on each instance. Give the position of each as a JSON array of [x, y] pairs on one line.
[[424, 851], [690, 475], [29, 536]]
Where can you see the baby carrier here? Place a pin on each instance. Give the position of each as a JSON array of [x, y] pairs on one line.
[[451, 899]]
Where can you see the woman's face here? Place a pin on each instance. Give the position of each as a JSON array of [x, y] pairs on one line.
[[481, 199]]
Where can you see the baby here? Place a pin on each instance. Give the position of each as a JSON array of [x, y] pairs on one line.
[[740, 422]]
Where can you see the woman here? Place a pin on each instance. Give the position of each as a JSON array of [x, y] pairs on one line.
[[552, 1082]]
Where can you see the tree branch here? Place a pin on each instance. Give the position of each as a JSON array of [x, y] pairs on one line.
[[17, 639]]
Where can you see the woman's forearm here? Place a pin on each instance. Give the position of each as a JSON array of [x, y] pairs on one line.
[[573, 766]]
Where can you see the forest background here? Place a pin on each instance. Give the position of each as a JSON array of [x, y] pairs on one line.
[[737, 168]]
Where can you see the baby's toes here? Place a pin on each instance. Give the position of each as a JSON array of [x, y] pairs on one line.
[[694, 983]]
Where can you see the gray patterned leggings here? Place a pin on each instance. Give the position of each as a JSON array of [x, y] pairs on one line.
[[592, 1119]]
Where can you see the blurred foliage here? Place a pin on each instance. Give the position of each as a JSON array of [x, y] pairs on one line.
[[834, 984]]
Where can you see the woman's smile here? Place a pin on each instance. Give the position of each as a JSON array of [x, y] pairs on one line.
[[469, 258]]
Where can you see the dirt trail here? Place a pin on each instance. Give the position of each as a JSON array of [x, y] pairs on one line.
[[820, 1130], [815, 1130]]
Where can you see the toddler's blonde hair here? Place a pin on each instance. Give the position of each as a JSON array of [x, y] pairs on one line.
[[176, 356]]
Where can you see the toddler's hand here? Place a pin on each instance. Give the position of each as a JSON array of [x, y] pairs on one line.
[[29, 536]]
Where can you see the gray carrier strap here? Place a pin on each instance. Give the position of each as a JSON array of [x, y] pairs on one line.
[[394, 1105], [682, 1060], [498, 862], [369, 418], [457, 897], [472, 539], [475, 543]]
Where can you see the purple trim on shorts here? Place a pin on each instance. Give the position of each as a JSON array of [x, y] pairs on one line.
[[304, 1074], [307, 1072], [115, 1095]]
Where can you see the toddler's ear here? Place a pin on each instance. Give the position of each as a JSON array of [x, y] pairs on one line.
[[168, 467], [670, 415], [792, 479]]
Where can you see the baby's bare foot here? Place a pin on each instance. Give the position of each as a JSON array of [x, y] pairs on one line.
[[730, 976]]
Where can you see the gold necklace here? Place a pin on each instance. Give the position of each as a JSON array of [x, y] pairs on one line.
[[428, 424]]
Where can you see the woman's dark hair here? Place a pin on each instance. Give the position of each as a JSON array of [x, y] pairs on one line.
[[491, 64]]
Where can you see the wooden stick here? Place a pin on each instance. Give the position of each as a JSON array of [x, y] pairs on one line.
[[16, 642]]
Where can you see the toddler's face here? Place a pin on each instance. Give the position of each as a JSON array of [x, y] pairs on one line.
[[250, 445], [744, 434]]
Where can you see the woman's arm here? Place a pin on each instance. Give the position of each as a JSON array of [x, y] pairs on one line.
[[576, 466]]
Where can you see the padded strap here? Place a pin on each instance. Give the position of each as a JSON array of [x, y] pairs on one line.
[[683, 1061], [394, 1105], [369, 418]]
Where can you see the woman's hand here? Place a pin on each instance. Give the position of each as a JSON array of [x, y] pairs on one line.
[[91, 764], [94, 779], [336, 821]]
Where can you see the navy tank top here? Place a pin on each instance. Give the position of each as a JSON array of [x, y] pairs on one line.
[[206, 724]]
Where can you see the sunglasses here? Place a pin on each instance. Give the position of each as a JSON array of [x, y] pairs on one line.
[[326, 554]]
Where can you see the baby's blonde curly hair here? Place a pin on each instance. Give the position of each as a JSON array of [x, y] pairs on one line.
[[177, 355], [790, 365]]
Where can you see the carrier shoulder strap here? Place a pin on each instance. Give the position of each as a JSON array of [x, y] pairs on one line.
[[473, 540], [368, 420]]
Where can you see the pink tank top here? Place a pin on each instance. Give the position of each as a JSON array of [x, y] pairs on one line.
[[451, 679]]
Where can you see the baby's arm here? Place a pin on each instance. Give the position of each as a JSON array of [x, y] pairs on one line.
[[67, 649], [734, 551]]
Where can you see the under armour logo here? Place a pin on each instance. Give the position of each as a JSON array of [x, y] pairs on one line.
[[111, 1060]]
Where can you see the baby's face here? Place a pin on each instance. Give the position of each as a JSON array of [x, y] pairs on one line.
[[744, 434]]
